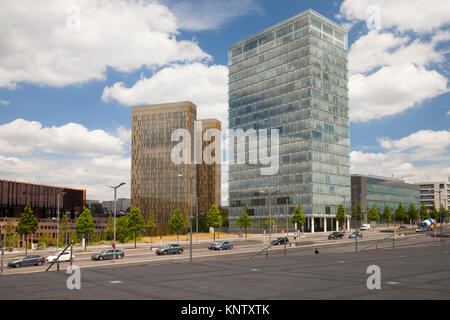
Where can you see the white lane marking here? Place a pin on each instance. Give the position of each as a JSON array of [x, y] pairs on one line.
[[254, 269], [341, 261], [115, 281], [392, 282]]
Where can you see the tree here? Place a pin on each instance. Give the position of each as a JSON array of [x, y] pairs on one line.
[[269, 223], [44, 240], [400, 213], [65, 226], [151, 225], [85, 225], [28, 224], [442, 213], [177, 222], [423, 212], [412, 213], [214, 219], [358, 216], [373, 214], [123, 232], [9, 234], [73, 237], [387, 215], [434, 214], [244, 221], [136, 223], [299, 217], [224, 214], [340, 216]]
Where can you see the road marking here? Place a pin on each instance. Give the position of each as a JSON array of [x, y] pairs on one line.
[[254, 269], [392, 282], [115, 281], [341, 261]]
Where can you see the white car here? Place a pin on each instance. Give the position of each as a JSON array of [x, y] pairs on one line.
[[63, 258], [365, 227]]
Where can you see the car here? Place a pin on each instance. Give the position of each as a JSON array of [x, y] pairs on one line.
[[351, 236], [221, 245], [365, 227], [336, 235], [108, 255], [64, 257], [402, 227], [170, 249], [31, 260], [280, 240]]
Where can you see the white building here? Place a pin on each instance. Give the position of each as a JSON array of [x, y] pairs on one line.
[[435, 194]]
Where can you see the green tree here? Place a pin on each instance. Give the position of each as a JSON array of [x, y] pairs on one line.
[[64, 227], [340, 216], [150, 226], [387, 215], [28, 224], [442, 213], [269, 223], [73, 237], [299, 217], [244, 221], [85, 225], [44, 240], [400, 213], [123, 232], [136, 223], [434, 214], [224, 214], [214, 219], [423, 212], [358, 213], [9, 234], [108, 234], [413, 213], [373, 214], [177, 222]]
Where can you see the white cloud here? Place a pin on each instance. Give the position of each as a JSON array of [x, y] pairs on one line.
[[56, 43], [206, 86], [392, 90], [423, 154], [210, 14], [418, 16], [4, 102], [25, 137]]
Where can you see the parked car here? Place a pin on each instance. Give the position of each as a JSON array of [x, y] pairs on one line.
[[108, 255], [65, 256], [170, 248], [336, 235], [221, 245], [31, 260], [365, 227], [402, 227], [351, 236], [281, 240]]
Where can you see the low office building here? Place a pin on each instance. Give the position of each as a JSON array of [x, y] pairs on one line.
[[123, 205], [382, 191], [435, 194]]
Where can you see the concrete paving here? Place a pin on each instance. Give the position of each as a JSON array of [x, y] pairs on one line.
[[409, 272]]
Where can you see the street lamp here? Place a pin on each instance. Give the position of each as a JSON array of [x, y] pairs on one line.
[[190, 213], [440, 211], [270, 194], [115, 211]]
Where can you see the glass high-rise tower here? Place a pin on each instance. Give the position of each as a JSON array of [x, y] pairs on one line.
[[293, 77]]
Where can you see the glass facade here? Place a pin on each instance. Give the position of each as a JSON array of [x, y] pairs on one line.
[[370, 190], [292, 77]]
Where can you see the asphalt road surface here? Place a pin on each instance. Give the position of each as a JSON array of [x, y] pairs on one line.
[[419, 271]]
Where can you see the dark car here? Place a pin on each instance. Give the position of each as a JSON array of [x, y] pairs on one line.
[[27, 261], [170, 248], [402, 227], [351, 236], [108, 255], [336, 235], [222, 245], [281, 240]]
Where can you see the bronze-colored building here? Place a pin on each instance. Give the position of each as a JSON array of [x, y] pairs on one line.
[[155, 182], [14, 196], [209, 174]]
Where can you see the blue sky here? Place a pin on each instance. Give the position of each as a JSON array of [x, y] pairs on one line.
[[69, 74]]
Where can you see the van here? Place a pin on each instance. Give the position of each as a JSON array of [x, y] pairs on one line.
[[365, 227]]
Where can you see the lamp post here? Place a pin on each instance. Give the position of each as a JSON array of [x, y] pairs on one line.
[[270, 194], [57, 226], [115, 211], [440, 211], [190, 213]]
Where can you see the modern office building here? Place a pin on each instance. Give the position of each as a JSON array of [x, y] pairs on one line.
[[209, 174], [43, 199], [123, 204], [156, 185], [292, 77], [382, 191], [435, 194]]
